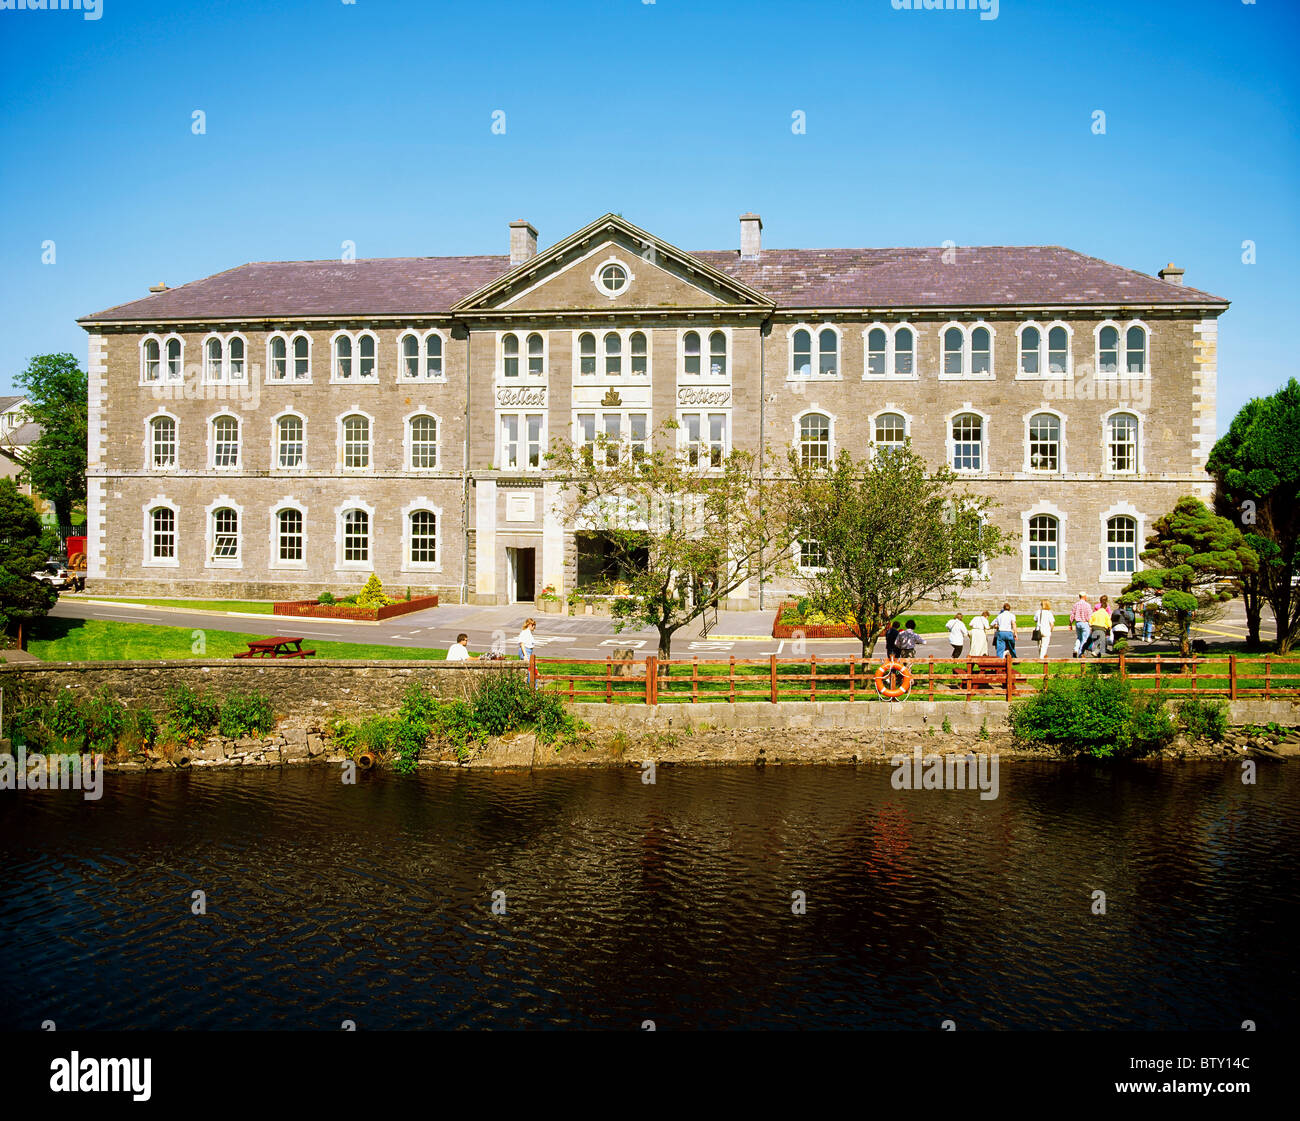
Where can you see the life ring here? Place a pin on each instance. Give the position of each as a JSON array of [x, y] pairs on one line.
[[887, 671]]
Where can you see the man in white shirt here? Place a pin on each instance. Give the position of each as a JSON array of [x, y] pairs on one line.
[[459, 651], [1005, 628], [957, 634]]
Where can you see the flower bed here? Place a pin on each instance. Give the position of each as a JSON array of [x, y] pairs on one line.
[[810, 630], [310, 609]]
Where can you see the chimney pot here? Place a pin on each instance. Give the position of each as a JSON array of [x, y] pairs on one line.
[[523, 242], [751, 235], [1172, 273]]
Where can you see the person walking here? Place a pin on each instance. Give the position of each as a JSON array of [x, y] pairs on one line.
[[1004, 628], [891, 641], [1044, 622], [525, 641], [1150, 606], [1120, 624], [908, 641], [459, 651], [1099, 621], [1079, 615], [957, 634], [979, 635]]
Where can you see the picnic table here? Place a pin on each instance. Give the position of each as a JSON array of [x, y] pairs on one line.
[[280, 647]]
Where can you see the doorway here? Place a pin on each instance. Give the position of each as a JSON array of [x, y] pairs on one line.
[[521, 566]]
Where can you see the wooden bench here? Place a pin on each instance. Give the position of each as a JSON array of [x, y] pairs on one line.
[[276, 648], [985, 673]]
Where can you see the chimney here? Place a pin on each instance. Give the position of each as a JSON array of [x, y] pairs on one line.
[[159, 287], [751, 235], [523, 242], [1171, 273]]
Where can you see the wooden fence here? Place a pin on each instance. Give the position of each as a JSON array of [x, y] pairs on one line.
[[772, 679]]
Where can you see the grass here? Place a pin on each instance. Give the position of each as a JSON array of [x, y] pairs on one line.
[[250, 607], [937, 624], [104, 640]]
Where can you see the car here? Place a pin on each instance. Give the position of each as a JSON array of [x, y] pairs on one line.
[[57, 576]]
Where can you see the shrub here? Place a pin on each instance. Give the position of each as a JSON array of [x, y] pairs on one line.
[[1203, 720], [246, 714], [501, 702], [325, 598], [1094, 715], [372, 595], [190, 714], [105, 721]]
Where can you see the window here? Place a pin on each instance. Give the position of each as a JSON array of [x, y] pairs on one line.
[[225, 534], [587, 354], [212, 366], [356, 537], [510, 356], [235, 359], [613, 438], [953, 351], [356, 441], [223, 361], [162, 441], [424, 442], [536, 356], [152, 360], [421, 359], [433, 356], [343, 358], [175, 371], [225, 442], [968, 442], [1044, 532], [513, 426], [890, 431], [424, 537], [640, 355], [801, 353], [1122, 443], [162, 521], [1133, 359], [1121, 546], [289, 441], [981, 352], [301, 358], [811, 553], [1044, 442], [1135, 350], [354, 357], [877, 352], [279, 359], [903, 350], [613, 279], [828, 353], [691, 353], [968, 355], [366, 348], [288, 535], [1030, 343], [815, 440], [717, 355], [1108, 350], [1058, 351], [705, 438], [613, 355]]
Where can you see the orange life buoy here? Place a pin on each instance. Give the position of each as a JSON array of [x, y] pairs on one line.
[[890, 671]]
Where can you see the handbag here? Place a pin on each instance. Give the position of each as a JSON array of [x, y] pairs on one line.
[[1037, 636]]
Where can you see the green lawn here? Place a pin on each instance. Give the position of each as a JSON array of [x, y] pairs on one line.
[[251, 607], [103, 640]]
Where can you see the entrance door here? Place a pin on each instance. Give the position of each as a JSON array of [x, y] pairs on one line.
[[522, 564]]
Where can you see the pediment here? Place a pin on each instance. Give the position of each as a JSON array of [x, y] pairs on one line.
[[566, 277]]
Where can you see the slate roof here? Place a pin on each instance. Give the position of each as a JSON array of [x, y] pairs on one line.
[[21, 437], [981, 276]]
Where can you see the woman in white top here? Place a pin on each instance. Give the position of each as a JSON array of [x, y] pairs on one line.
[[979, 635], [1044, 621], [525, 640]]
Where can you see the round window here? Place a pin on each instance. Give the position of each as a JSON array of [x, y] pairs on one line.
[[613, 278]]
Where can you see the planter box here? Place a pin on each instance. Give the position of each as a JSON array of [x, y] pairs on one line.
[[550, 606], [310, 609], [811, 630]]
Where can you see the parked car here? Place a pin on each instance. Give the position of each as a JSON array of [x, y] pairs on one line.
[[56, 575]]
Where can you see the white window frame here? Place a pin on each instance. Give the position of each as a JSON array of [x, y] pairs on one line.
[[815, 356], [982, 572], [224, 502], [627, 284], [275, 443], [148, 560], [626, 378], [1121, 510], [1122, 328], [212, 442], [797, 443], [355, 338], [290, 339], [796, 556], [524, 377], [950, 444], [891, 351], [1140, 465], [224, 375], [967, 353], [149, 465], [422, 344], [521, 420], [273, 546], [1026, 421], [369, 564], [341, 453], [1044, 509], [1044, 350], [408, 440], [625, 414], [415, 506], [891, 409], [683, 444], [165, 375]]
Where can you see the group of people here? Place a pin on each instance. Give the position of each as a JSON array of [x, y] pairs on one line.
[[1097, 628], [524, 644]]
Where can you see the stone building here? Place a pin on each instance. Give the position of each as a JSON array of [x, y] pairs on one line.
[[286, 428]]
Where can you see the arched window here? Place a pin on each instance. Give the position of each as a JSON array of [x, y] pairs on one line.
[[174, 369], [366, 352], [1030, 343], [1058, 351], [279, 359], [801, 353], [162, 441], [510, 356], [289, 441], [890, 432], [1044, 543], [225, 534], [967, 442], [981, 351], [1121, 545], [1108, 350], [212, 360], [162, 531], [225, 442], [424, 537], [356, 537], [536, 356], [1044, 442], [718, 354], [424, 442], [288, 535], [953, 351], [815, 440], [613, 355], [637, 345], [235, 359], [411, 356], [343, 358], [903, 349], [1135, 350], [356, 441], [301, 358], [1122, 443], [433, 356], [587, 353], [877, 352], [152, 360], [828, 353], [690, 353]]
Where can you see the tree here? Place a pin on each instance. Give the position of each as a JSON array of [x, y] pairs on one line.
[[24, 546], [1190, 554], [56, 464], [682, 525], [1256, 468], [889, 532]]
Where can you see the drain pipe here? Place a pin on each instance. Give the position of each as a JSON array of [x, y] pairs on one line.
[[762, 415], [464, 480]]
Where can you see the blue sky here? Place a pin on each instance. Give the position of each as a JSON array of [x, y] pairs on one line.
[[371, 122]]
